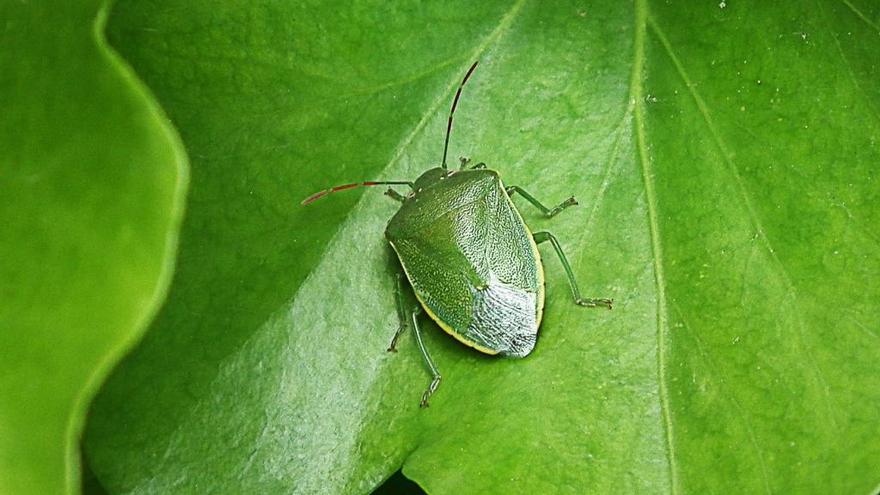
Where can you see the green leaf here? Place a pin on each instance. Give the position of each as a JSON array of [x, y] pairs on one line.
[[91, 188], [725, 159]]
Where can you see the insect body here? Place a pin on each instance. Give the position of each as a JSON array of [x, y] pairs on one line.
[[472, 262]]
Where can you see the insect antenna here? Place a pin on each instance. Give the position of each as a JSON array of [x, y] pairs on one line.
[[320, 194], [452, 110]]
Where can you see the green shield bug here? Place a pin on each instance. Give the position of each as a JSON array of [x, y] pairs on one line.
[[472, 262]]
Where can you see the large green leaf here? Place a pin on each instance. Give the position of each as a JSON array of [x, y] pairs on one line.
[[91, 188], [724, 155]]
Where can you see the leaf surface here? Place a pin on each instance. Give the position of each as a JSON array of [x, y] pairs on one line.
[[724, 157], [91, 186]]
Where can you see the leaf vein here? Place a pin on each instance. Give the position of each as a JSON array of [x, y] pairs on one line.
[[726, 156], [607, 173], [637, 101], [849, 68], [862, 16], [753, 439]]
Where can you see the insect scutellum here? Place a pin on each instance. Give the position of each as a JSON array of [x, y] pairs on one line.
[[490, 292]]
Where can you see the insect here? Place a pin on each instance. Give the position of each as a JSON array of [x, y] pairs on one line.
[[472, 262]]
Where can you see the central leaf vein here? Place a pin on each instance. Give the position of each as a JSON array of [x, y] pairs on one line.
[[637, 99]]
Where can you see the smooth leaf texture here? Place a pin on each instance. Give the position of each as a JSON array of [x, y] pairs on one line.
[[91, 187], [725, 159]]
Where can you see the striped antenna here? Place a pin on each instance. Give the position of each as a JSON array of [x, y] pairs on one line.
[[452, 110], [321, 194]]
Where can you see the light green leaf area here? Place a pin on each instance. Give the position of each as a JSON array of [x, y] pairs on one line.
[[91, 190], [724, 155]]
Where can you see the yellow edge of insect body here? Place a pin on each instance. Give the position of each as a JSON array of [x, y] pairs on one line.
[[446, 328], [540, 265]]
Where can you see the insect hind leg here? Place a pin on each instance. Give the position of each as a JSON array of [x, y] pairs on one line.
[[412, 315], [401, 313], [435, 374]]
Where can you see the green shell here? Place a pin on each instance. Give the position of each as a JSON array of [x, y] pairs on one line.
[[472, 261]]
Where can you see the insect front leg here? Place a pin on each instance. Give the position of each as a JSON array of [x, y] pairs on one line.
[[465, 161], [391, 193], [588, 302], [548, 212]]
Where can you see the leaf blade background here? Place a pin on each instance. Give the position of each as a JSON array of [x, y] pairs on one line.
[[93, 180]]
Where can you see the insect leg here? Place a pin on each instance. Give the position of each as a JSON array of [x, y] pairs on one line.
[[401, 313], [435, 382], [413, 315], [395, 195], [465, 161], [531, 199], [589, 302]]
